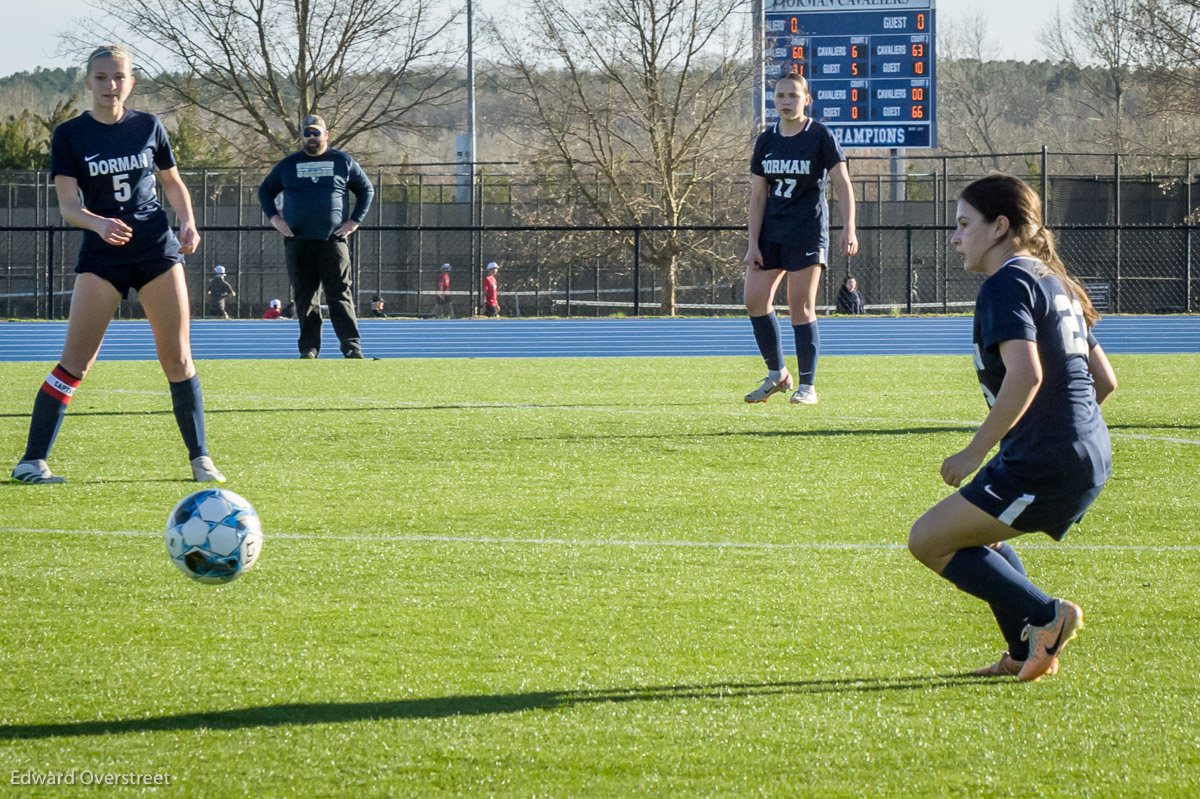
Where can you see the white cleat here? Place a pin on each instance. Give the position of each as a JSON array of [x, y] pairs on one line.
[[35, 471], [203, 471], [805, 395], [770, 386]]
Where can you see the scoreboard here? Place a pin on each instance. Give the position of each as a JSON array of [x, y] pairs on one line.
[[869, 65]]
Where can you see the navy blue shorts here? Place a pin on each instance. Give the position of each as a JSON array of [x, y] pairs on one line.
[[128, 276], [997, 493], [789, 258]]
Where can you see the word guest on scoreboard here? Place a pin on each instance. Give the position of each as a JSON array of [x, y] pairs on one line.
[[869, 65]]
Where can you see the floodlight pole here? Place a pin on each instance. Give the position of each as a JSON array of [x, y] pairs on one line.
[[759, 43], [474, 216]]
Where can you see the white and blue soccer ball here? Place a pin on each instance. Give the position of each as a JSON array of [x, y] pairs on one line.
[[213, 536]]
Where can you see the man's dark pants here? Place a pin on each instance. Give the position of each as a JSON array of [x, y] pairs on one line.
[[311, 265]]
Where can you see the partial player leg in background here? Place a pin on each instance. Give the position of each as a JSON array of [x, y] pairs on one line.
[[93, 303]]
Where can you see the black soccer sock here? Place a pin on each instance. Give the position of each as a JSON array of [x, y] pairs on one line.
[[1011, 624], [188, 404], [49, 408], [766, 335], [808, 346], [986, 574]]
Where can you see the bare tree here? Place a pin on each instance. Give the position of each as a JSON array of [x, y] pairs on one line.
[[1168, 31], [637, 105], [967, 86], [1098, 33], [261, 66]]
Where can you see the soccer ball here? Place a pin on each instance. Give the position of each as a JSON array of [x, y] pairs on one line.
[[213, 536]]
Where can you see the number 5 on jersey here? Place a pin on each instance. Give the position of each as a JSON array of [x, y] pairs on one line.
[[122, 191]]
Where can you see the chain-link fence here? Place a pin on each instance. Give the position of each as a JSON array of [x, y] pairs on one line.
[[1125, 226]]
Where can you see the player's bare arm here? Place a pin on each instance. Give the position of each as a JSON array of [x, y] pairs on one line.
[[113, 231], [1022, 379]]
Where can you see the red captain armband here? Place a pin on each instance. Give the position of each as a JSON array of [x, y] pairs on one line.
[[61, 385]]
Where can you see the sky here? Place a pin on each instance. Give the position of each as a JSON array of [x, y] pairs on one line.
[[34, 26]]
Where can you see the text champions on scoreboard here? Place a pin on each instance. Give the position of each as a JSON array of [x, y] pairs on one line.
[[869, 65]]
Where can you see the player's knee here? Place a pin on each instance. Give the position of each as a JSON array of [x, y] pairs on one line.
[[920, 541], [177, 368]]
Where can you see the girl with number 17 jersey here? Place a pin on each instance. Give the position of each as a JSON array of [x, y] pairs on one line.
[[788, 226]]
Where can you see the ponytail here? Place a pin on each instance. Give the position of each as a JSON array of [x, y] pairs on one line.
[[1041, 246]]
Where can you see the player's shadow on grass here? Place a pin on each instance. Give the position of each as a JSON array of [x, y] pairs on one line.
[[476, 705], [822, 432], [452, 406]]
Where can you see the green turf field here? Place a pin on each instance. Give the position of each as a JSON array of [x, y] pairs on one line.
[[597, 577]]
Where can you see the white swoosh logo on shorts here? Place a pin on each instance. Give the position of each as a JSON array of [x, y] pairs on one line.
[[988, 488]]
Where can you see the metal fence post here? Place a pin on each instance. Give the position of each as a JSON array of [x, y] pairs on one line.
[[909, 257], [420, 233], [1117, 232], [637, 271], [1187, 237], [50, 273]]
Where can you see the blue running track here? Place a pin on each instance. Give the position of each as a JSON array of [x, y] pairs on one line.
[[554, 338]]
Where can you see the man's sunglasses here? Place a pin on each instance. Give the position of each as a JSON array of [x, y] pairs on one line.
[[310, 132]]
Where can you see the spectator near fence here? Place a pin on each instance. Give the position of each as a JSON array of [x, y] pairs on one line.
[[219, 290], [445, 306], [849, 299], [316, 221], [274, 311], [491, 291]]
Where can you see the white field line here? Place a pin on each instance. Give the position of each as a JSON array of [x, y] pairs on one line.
[[608, 542], [301, 403]]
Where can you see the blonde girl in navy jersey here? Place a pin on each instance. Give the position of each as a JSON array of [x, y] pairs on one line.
[[1044, 376], [103, 164], [789, 234]]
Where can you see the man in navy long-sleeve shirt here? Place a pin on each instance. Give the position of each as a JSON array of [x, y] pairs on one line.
[[316, 221]]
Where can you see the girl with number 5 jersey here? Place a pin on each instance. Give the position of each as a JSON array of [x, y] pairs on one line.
[[103, 165], [1044, 376]]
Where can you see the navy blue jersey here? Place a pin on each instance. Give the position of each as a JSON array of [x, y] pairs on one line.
[[314, 187], [1061, 441], [114, 165], [796, 168]]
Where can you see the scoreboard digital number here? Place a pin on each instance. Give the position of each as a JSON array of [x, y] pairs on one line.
[[869, 65]]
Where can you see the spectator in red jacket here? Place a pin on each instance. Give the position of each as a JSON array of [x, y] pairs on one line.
[[444, 307], [491, 301]]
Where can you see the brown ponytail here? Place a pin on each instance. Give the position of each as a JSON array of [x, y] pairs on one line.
[[1004, 195]]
